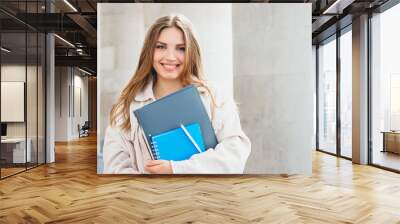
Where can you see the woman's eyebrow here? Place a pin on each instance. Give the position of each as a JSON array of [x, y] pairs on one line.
[[159, 42]]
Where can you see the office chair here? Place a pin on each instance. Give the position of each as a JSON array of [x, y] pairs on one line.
[[84, 130]]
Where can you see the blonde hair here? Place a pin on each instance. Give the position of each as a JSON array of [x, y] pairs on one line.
[[192, 68]]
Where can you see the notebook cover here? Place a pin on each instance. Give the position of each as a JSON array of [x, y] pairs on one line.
[[175, 145], [181, 107]]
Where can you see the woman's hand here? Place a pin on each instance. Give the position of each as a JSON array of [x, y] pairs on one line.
[[158, 167]]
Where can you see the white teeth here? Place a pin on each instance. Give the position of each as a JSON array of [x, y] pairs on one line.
[[169, 67]]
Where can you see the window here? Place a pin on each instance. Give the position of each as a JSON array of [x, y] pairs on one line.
[[346, 93], [22, 66], [327, 96], [385, 88]]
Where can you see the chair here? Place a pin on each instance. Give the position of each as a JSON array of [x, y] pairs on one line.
[[84, 130]]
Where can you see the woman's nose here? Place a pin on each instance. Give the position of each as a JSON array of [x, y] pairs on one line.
[[170, 55]]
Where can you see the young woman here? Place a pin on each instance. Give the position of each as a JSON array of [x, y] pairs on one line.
[[170, 60]]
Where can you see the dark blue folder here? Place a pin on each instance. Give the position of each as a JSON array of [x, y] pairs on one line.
[[181, 107]]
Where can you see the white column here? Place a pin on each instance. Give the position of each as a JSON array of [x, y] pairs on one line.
[[50, 99], [360, 90]]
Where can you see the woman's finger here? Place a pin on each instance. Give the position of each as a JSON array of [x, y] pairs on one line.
[[154, 162], [152, 169]]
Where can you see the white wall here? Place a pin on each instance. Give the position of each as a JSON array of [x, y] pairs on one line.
[[14, 72], [67, 81], [61, 103], [314, 74], [80, 83], [11, 74]]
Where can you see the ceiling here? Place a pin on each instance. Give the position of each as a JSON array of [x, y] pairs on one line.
[[76, 22]]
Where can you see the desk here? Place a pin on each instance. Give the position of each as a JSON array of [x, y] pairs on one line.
[[13, 150], [391, 141]]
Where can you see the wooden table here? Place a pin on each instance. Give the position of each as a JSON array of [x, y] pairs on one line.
[[391, 141]]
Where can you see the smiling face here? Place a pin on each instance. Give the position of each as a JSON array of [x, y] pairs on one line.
[[169, 54]]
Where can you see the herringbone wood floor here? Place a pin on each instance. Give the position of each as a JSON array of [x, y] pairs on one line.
[[70, 191]]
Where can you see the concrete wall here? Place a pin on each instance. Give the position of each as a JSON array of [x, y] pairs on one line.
[[274, 83]]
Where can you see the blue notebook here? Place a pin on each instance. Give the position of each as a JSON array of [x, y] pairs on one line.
[[175, 145], [181, 107]]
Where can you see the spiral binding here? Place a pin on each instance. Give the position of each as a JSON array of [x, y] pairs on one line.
[[154, 150]]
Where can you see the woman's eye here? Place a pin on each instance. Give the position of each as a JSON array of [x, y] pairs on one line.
[[181, 49], [160, 47]]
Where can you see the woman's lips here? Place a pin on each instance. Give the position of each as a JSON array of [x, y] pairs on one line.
[[170, 67]]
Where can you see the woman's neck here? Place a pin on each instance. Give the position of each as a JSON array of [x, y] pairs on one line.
[[165, 87]]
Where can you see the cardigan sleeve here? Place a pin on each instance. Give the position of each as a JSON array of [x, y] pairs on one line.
[[117, 154], [230, 154]]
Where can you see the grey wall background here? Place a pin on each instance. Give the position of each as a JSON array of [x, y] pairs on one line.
[[260, 52], [274, 84]]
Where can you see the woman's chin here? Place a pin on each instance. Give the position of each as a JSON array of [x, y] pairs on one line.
[[169, 77]]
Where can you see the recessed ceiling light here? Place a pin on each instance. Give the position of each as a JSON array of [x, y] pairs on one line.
[[70, 5], [337, 7], [64, 40], [84, 71], [5, 49]]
